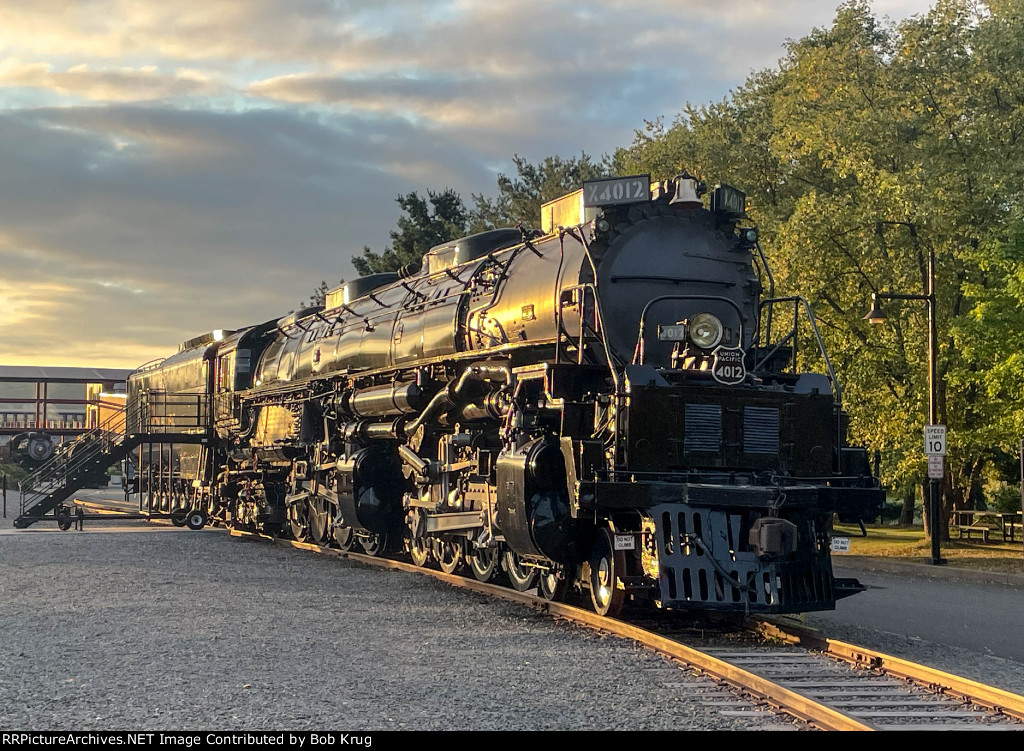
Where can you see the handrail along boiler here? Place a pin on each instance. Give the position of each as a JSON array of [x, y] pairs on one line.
[[601, 405]]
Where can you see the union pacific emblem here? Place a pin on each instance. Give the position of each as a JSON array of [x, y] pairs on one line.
[[728, 366]]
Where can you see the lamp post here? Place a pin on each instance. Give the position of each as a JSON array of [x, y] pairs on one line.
[[875, 315]]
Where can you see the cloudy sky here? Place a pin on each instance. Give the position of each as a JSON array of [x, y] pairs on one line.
[[169, 168]]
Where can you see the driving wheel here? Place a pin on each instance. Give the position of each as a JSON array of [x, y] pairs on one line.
[[449, 556], [485, 564], [375, 543], [420, 551], [554, 584], [298, 521], [319, 515], [523, 577], [344, 537]]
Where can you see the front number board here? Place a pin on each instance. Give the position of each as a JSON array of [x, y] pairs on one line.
[[617, 190]]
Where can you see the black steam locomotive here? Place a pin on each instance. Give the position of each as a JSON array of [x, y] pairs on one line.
[[606, 405]]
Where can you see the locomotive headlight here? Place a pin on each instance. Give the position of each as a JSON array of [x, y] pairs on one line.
[[705, 330]]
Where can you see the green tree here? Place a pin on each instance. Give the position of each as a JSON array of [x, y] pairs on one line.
[[441, 217], [429, 221], [319, 295], [870, 147], [894, 133], [520, 197]]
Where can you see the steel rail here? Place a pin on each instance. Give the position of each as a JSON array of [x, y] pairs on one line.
[[989, 697]]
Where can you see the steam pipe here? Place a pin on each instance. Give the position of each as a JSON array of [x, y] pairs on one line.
[[448, 397]]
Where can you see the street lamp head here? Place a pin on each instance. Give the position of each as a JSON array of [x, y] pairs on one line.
[[875, 315]]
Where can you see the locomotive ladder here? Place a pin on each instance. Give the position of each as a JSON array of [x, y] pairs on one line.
[[156, 417], [571, 348]]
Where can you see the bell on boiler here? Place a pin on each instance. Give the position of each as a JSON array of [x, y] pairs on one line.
[[688, 191]]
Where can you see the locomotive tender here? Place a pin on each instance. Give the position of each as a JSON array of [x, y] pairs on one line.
[[598, 406]]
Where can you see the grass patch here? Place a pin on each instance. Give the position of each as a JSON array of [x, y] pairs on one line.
[[912, 545], [15, 473]]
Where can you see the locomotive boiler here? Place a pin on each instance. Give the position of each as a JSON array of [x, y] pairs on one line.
[[605, 405]]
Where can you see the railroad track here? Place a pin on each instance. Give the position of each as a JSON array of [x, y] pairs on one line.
[[779, 675], [886, 692], [794, 679]]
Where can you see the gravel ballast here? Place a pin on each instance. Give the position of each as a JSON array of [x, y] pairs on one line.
[[147, 627], [175, 630]]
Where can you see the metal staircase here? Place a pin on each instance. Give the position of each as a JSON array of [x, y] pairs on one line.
[[154, 418], [74, 465]]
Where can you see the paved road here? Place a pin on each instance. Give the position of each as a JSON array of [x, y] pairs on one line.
[[944, 607]]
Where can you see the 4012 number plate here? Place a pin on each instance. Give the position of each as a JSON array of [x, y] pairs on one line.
[[617, 190]]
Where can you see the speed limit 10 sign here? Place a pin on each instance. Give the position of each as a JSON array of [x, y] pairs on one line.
[[935, 440]]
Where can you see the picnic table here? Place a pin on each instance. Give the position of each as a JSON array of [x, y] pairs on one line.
[[968, 523]]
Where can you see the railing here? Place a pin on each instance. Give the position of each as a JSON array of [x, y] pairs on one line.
[[591, 327], [69, 459], [790, 340], [641, 339], [42, 424], [151, 412], [168, 412]]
